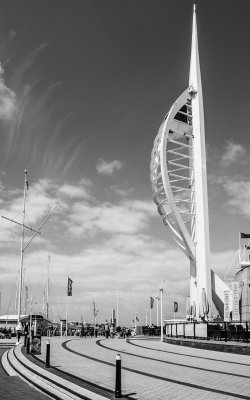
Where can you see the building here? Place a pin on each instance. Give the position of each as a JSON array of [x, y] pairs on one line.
[[179, 183]]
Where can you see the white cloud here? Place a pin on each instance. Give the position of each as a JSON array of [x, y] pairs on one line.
[[124, 254], [77, 190], [233, 152], [126, 217], [122, 190], [108, 167], [239, 195], [7, 99]]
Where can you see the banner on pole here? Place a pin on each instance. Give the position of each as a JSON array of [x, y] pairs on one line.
[[151, 302], [226, 305], [175, 306], [70, 286], [236, 298]]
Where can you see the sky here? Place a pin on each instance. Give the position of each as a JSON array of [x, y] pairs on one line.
[[84, 87]]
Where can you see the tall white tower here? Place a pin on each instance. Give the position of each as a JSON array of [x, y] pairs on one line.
[[179, 181]]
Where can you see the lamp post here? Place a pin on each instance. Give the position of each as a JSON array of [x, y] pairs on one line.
[[157, 308], [136, 322], [161, 290]]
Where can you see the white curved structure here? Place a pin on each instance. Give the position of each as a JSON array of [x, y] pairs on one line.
[[179, 179]]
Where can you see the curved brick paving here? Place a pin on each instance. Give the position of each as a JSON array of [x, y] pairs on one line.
[[154, 370], [13, 388]]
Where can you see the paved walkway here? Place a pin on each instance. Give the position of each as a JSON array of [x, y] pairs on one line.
[[14, 388], [153, 370]]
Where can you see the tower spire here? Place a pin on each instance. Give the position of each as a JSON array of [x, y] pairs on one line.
[[203, 272], [194, 73]]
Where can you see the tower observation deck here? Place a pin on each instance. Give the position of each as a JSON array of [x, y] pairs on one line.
[[179, 182]]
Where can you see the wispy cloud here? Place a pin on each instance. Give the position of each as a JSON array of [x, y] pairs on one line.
[[124, 189], [7, 99], [108, 167], [11, 35], [233, 152]]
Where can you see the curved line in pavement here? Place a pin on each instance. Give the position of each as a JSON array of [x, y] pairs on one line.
[[191, 385], [170, 362], [186, 355]]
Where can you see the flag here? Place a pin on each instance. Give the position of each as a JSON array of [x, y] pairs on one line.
[[245, 235], [175, 306], [151, 302], [137, 319], [95, 309], [70, 286]]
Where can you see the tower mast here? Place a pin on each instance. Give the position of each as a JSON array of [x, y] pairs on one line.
[[200, 268], [47, 297], [22, 250]]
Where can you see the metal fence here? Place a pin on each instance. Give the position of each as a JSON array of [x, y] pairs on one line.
[[211, 330]]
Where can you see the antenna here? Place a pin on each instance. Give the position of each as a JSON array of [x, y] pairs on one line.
[[23, 248], [47, 299]]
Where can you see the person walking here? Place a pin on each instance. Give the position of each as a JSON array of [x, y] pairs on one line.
[[96, 330], [106, 330], [112, 331], [19, 329]]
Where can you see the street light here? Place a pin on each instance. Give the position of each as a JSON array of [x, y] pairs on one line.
[[157, 306], [146, 316], [161, 290]]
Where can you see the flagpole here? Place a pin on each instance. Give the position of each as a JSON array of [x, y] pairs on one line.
[[161, 290], [47, 295], [157, 308], [1, 298], [22, 250], [239, 248], [150, 314], [66, 333], [135, 321], [117, 309]]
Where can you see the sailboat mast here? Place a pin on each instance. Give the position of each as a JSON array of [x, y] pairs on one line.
[[26, 299], [22, 250], [47, 300]]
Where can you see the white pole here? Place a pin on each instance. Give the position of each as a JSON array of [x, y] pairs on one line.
[[146, 316], [239, 249], [22, 250], [30, 330], [117, 309], [66, 332], [161, 290], [157, 309], [150, 316], [47, 300], [61, 333]]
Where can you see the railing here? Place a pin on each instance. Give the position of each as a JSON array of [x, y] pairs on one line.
[[152, 331], [211, 330]]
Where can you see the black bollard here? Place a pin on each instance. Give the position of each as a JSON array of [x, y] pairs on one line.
[[28, 345], [118, 377], [48, 354]]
